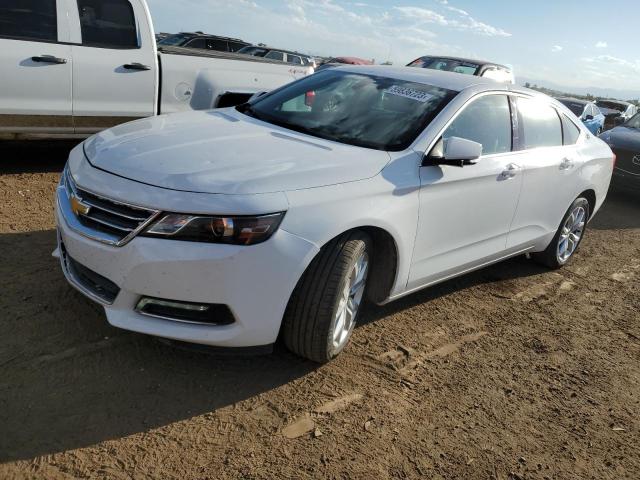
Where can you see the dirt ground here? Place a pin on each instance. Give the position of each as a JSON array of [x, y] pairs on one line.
[[512, 372]]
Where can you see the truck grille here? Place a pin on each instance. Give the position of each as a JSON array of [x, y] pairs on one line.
[[106, 220]]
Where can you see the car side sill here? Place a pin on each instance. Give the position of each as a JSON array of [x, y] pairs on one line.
[[456, 274]]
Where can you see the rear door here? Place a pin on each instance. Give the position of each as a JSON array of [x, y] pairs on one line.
[[550, 165], [35, 68], [115, 64]]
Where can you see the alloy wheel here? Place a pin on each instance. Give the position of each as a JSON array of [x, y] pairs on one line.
[[571, 233], [345, 317]]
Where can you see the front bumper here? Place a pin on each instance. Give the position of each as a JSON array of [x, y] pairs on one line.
[[255, 282]]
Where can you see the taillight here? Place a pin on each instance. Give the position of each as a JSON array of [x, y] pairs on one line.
[[615, 159], [309, 98]]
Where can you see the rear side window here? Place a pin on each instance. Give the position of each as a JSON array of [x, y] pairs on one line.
[[540, 124], [570, 131], [486, 121], [29, 19], [234, 47], [108, 23]]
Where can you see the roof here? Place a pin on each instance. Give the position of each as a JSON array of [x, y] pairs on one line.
[[210, 35], [468, 60], [619, 102], [574, 100], [437, 78], [292, 52], [353, 60]]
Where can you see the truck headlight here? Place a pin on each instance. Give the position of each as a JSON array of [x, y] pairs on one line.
[[237, 230]]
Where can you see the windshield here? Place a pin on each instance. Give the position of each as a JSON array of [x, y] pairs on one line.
[[356, 109], [611, 105], [174, 40], [576, 107], [446, 64], [634, 122]]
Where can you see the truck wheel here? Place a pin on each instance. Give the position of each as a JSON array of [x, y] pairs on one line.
[[568, 237], [324, 306]]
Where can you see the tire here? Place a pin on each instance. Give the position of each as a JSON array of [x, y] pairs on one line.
[[554, 256], [599, 131], [311, 326]]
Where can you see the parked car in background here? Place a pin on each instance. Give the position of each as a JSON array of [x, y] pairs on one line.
[[494, 71], [616, 112], [72, 68], [203, 41], [339, 61], [162, 36], [624, 140], [278, 54], [277, 218], [587, 112]]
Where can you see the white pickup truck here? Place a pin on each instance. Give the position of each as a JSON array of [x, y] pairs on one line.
[[69, 68]]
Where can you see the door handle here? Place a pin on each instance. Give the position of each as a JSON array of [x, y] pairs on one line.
[[510, 172], [566, 164], [49, 59], [136, 66]]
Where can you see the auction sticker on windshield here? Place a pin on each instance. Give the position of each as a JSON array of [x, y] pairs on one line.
[[409, 93]]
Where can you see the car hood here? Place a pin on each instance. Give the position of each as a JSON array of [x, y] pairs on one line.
[[623, 137], [224, 151]]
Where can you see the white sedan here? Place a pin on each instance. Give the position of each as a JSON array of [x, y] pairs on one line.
[[233, 227]]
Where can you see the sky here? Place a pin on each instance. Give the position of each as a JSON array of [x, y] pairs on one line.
[[582, 46]]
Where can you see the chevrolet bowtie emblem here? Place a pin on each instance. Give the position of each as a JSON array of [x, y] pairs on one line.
[[77, 207]]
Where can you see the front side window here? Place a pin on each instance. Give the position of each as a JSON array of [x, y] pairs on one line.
[[217, 44], [540, 123], [570, 132], [487, 121], [364, 110], [29, 19], [294, 59], [197, 43], [108, 23]]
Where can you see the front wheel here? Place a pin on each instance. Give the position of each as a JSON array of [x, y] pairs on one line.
[[324, 306], [568, 237]]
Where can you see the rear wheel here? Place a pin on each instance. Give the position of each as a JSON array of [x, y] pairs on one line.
[[324, 306], [568, 237]]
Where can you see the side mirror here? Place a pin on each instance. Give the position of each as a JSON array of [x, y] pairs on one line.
[[454, 151], [588, 117]]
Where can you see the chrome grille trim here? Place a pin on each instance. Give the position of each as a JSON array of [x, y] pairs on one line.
[[81, 223]]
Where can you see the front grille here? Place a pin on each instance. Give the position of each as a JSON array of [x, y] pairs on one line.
[[99, 214], [88, 280]]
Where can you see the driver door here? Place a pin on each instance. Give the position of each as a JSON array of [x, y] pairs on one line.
[[466, 212]]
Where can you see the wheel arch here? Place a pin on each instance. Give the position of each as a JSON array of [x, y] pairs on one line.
[[590, 195]]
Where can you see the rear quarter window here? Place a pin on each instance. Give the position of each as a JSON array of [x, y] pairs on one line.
[[570, 132]]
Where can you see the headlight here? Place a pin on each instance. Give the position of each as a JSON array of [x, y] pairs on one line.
[[234, 230]]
